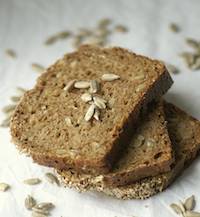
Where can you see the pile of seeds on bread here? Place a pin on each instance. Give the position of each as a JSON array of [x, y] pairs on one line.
[[97, 103]]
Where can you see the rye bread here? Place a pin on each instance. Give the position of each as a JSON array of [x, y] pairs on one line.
[[184, 131], [148, 154], [39, 127]]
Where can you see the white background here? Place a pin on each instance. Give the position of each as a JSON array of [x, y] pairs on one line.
[[25, 24]]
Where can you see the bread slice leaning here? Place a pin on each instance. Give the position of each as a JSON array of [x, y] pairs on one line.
[[184, 131], [56, 126], [149, 152]]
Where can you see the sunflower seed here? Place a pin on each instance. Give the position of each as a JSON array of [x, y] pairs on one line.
[[82, 84], [30, 202], [15, 98], [172, 69], [64, 34], [35, 214], [5, 122], [21, 90], [189, 203], [11, 53], [100, 41], [37, 67], [139, 141], [86, 97], [109, 77], [4, 186], [97, 114], [192, 214], [78, 39], [181, 205], [193, 43], [40, 211], [52, 178], [121, 28], [139, 88], [139, 77], [85, 32], [174, 27], [8, 108], [90, 112], [99, 102], [196, 65], [150, 142], [73, 64], [94, 86], [69, 85], [51, 40], [68, 121], [32, 181], [103, 23], [176, 208], [189, 58], [45, 206]]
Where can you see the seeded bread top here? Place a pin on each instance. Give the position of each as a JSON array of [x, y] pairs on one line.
[[184, 131], [50, 120]]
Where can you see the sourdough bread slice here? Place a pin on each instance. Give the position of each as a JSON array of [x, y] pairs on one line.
[[49, 123], [184, 131]]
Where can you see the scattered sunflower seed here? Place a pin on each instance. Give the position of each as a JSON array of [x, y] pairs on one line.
[[181, 205], [193, 43], [15, 98], [189, 58], [21, 90], [8, 108], [174, 27], [45, 206], [172, 69], [29, 202], [11, 53], [121, 28], [35, 214], [176, 208], [94, 86], [69, 85], [110, 77], [4, 186], [86, 97], [99, 102], [192, 214], [189, 203], [64, 34], [32, 181], [5, 122], [103, 23], [90, 112], [37, 67], [52, 178], [82, 84], [196, 65], [85, 32], [51, 40], [40, 211]]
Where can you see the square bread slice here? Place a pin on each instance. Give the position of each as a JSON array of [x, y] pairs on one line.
[[60, 125], [184, 132]]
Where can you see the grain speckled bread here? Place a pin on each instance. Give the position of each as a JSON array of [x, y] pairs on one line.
[[39, 127], [184, 132], [149, 152]]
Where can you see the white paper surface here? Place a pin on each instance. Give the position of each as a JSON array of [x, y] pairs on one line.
[[25, 24]]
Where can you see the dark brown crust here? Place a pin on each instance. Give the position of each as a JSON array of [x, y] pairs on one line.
[[102, 165]]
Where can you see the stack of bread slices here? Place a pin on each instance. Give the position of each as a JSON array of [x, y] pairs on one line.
[[97, 116]]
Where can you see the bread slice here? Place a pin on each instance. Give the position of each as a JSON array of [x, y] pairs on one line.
[[149, 152], [184, 131], [49, 123]]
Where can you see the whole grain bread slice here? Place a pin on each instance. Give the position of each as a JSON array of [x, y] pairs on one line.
[[184, 131], [49, 123], [149, 152]]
